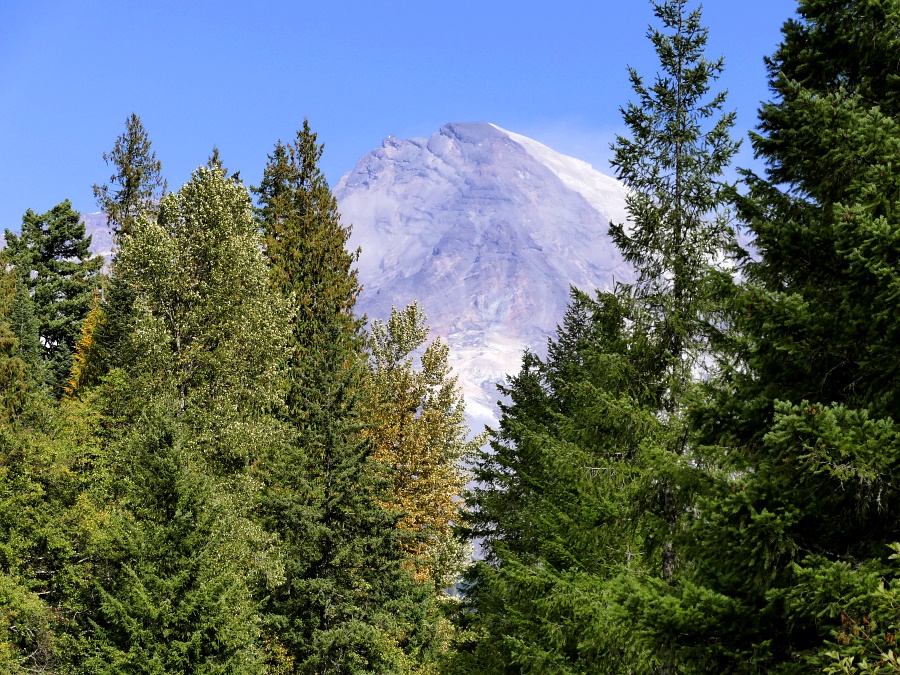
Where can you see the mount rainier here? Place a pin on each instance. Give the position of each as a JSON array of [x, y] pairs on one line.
[[488, 230]]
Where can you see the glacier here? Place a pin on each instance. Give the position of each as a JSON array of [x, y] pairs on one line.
[[487, 230]]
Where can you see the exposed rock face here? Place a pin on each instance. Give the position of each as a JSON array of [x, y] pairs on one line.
[[101, 237], [487, 230]]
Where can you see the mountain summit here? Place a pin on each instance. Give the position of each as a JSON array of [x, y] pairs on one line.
[[487, 229]]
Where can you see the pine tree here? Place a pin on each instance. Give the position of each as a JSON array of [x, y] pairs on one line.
[[52, 258], [347, 604], [137, 185]]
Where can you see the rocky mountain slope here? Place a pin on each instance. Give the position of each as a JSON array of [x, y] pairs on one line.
[[487, 229]]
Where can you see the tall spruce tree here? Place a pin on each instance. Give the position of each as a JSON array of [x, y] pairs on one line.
[[137, 185], [673, 165], [347, 604], [793, 533], [52, 258]]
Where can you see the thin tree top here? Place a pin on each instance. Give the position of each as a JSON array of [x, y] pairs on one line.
[[137, 185]]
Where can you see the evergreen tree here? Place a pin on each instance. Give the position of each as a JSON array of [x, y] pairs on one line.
[[137, 185], [793, 530], [13, 376], [673, 166], [347, 604], [583, 500], [182, 568], [133, 191], [52, 258], [553, 501]]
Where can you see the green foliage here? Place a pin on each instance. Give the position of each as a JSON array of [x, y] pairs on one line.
[[52, 259], [865, 641], [185, 421], [184, 560], [559, 500], [137, 185], [14, 379], [673, 165], [25, 637], [204, 332], [583, 501], [791, 531], [347, 604]]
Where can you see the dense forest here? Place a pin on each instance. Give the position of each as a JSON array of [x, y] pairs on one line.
[[209, 463]]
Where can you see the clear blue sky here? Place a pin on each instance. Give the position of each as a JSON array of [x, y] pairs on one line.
[[241, 75]]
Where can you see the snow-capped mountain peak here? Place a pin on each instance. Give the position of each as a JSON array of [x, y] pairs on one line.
[[487, 229]]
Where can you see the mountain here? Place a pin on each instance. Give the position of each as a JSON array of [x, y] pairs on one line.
[[487, 229]]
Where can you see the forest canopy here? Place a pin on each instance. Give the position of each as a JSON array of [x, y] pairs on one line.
[[210, 463]]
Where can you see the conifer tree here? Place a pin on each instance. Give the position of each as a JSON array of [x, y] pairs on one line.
[[137, 185], [553, 501], [13, 377], [133, 191], [584, 495], [52, 258], [793, 531], [347, 604], [673, 165], [184, 563]]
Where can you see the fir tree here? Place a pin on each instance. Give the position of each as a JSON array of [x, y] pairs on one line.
[[554, 501], [178, 595], [52, 257], [584, 496], [673, 166], [793, 532], [137, 185], [347, 604]]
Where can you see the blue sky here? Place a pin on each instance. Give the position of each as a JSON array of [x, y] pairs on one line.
[[241, 75]]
